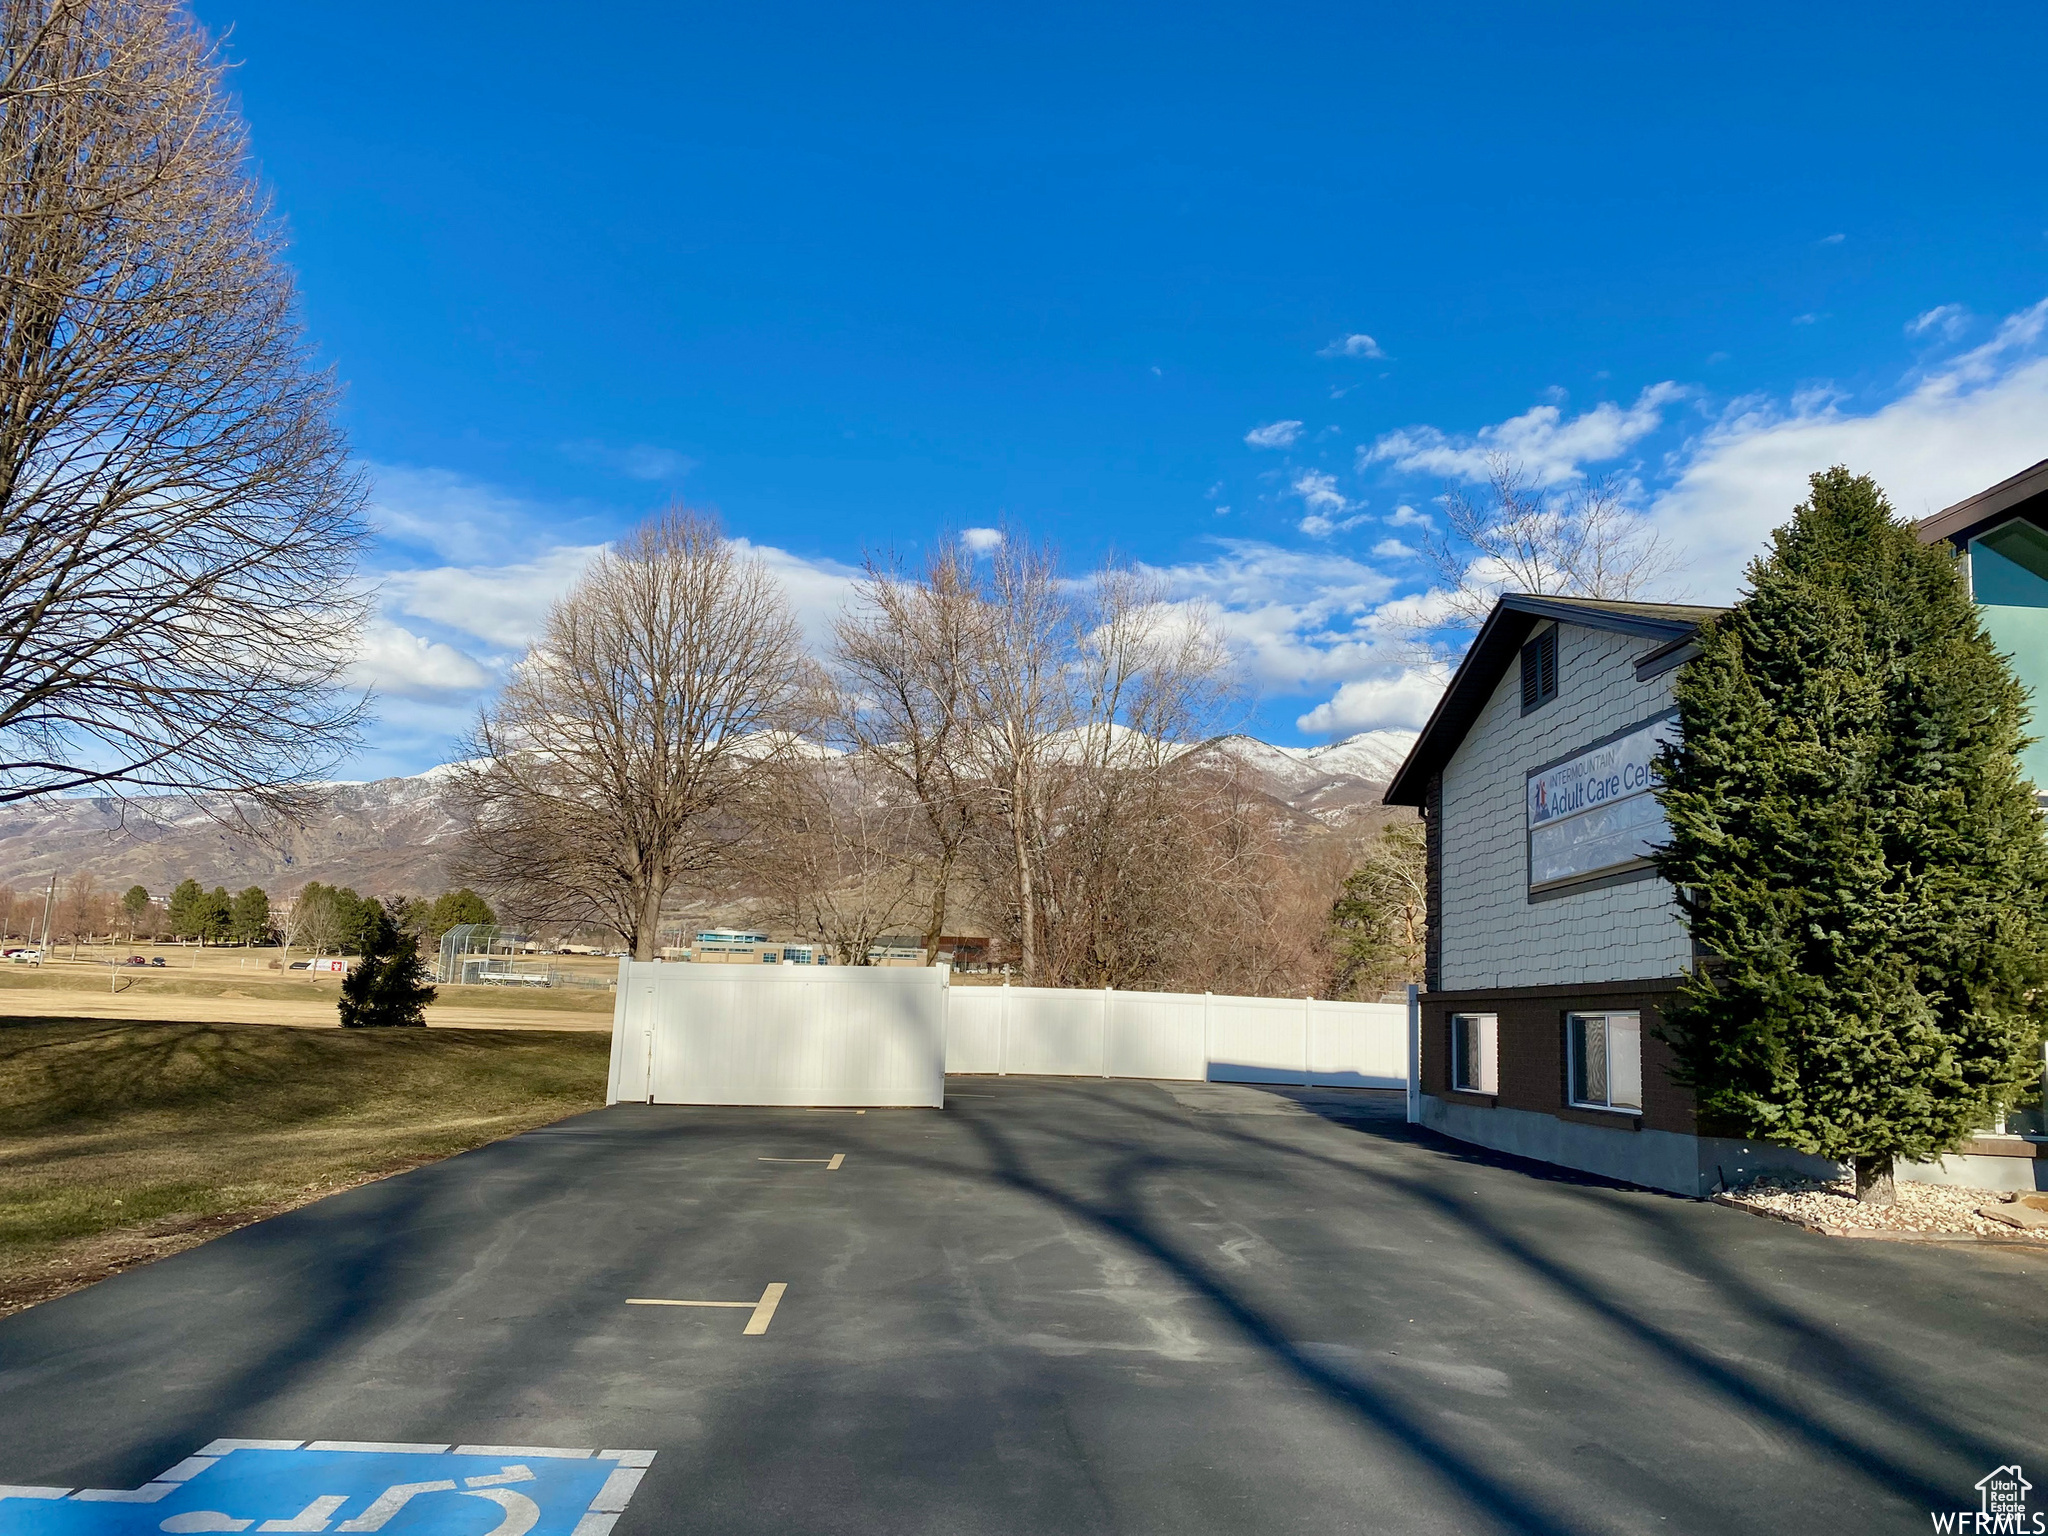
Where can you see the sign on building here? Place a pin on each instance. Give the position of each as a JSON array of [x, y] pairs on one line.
[[1593, 813]]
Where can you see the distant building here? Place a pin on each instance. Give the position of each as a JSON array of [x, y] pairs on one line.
[[897, 949], [730, 946], [753, 946], [963, 952], [960, 951], [738, 946]]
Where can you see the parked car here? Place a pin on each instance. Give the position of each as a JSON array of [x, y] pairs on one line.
[[24, 956], [137, 960], [156, 959]]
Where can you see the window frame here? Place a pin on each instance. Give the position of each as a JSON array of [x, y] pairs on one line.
[[1475, 1045], [1577, 1053]]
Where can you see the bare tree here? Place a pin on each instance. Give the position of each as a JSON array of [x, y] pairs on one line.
[[665, 694], [841, 845], [309, 920], [1583, 541], [905, 653], [178, 518], [1022, 708], [1087, 697], [1148, 681], [82, 912]]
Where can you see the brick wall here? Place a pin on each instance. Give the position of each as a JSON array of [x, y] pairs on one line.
[[1490, 934], [1532, 1053]]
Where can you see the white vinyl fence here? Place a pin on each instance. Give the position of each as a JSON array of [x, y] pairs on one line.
[[878, 1036], [779, 1034], [1192, 1036]]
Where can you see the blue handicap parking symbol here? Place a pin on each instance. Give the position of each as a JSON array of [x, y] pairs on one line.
[[348, 1486]]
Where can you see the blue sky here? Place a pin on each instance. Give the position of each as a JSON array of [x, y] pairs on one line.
[[855, 276]]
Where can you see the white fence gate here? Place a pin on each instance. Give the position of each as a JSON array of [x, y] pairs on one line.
[[1197, 1037], [781, 1034], [875, 1036]]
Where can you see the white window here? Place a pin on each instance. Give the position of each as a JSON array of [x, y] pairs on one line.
[[1606, 1051], [1475, 1052]]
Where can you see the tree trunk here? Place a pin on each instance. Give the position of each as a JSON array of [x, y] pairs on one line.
[[649, 936], [1027, 896], [1874, 1184], [935, 923]]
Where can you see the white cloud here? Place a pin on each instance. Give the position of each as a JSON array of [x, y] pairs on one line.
[[1358, 344], [636, 461], [1274, 434], [1945, 321], [451, 515], [1808, 319], [1319, 491], [1402, 699], [393, 660], [1550, 448], [1296, 619], [1832, 239], [1405, 516], [1326, 505], [1964, 424], [818, 589], [981, 541], [1392, 549], [502, 605]]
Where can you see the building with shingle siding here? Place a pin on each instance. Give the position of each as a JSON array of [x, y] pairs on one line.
[[1553, 943]]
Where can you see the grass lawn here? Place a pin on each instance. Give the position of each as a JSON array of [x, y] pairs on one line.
[[121, 1142], [219, 986], [94, 979]]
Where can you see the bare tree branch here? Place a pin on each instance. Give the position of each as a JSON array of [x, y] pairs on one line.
[[179, 522], [665, 695], [1580, 542], [905, 654]]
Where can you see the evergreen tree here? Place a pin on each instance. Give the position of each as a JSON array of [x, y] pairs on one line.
[[388, 986], [453, 908], [1377, 922], [1853, 845], [355, 920], [249, 916], [136, 906], [184, 912], [216, 914]]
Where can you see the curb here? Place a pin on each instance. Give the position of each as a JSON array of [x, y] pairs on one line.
[[1882, 1234]]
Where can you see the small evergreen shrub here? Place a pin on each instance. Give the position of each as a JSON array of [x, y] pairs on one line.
[[388, 987]]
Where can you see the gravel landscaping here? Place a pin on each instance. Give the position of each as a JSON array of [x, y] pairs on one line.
[[1932, 1210]]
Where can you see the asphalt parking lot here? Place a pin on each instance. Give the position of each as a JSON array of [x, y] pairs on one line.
[[1071, 1306]]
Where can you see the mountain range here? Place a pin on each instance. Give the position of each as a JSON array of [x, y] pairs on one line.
[[395, 836]]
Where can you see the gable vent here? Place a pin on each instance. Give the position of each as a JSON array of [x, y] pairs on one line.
[[1539, 670]]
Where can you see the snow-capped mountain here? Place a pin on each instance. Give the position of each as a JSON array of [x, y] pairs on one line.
[[395, 835], [384, 835], [1336, 784], [1370, 755]]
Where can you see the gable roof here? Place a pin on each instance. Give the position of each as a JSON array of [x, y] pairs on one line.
[[2011, 496], [1499, 641]]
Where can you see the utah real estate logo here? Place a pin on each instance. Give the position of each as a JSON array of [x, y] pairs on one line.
[[2002, 1508]]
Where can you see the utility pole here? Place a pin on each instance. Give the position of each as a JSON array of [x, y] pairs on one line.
[[49, 905]]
